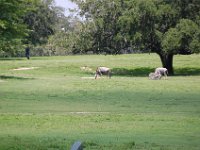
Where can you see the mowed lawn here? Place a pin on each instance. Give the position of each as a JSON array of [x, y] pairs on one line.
[[57, 101]]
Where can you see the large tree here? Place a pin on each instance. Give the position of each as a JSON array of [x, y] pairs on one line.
[[166, 27], [161, 26]]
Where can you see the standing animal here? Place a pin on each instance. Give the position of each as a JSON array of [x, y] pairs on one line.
[[161, 71], [103, 71]]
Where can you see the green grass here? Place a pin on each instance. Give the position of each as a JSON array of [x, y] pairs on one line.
[[57, 103]]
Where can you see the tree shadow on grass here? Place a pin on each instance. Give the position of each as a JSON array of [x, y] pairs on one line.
[[187, 71], [144, 71], [10, 58], [14, 77]]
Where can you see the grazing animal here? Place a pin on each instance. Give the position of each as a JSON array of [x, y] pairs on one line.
[[161, 71], [154, 76], [103, 71]]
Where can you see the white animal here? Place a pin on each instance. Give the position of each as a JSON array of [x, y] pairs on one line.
[[161, 71], [103, 71], [154, 76]]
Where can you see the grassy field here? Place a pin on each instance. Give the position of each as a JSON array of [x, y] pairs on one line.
[[56, 103]]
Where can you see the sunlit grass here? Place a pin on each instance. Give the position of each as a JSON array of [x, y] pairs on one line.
[[57, 103]]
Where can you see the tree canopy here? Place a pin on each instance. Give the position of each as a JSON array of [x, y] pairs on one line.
[[41, 22], [25, 22], [12, 28]]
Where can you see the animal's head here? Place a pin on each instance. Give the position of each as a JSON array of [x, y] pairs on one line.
[[98, 72], [166, 71]]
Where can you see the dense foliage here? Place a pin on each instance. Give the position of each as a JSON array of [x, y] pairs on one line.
[[12, 28], [24, 23], [40, 22]]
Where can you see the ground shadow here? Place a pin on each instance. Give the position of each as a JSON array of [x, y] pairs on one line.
[[10, 58], [187, 71], [14, 77], [144, 71]]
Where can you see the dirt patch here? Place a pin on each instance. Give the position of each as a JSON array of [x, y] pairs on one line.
[[86, 68], [88, 112], [25, 68], [87, 78]]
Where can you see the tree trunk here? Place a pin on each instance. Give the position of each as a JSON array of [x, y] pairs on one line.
[[167, 62]]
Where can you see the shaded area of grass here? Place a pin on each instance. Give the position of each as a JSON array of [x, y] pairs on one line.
[[11, 58], [187, 71], [144, 71], [14, 77]]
